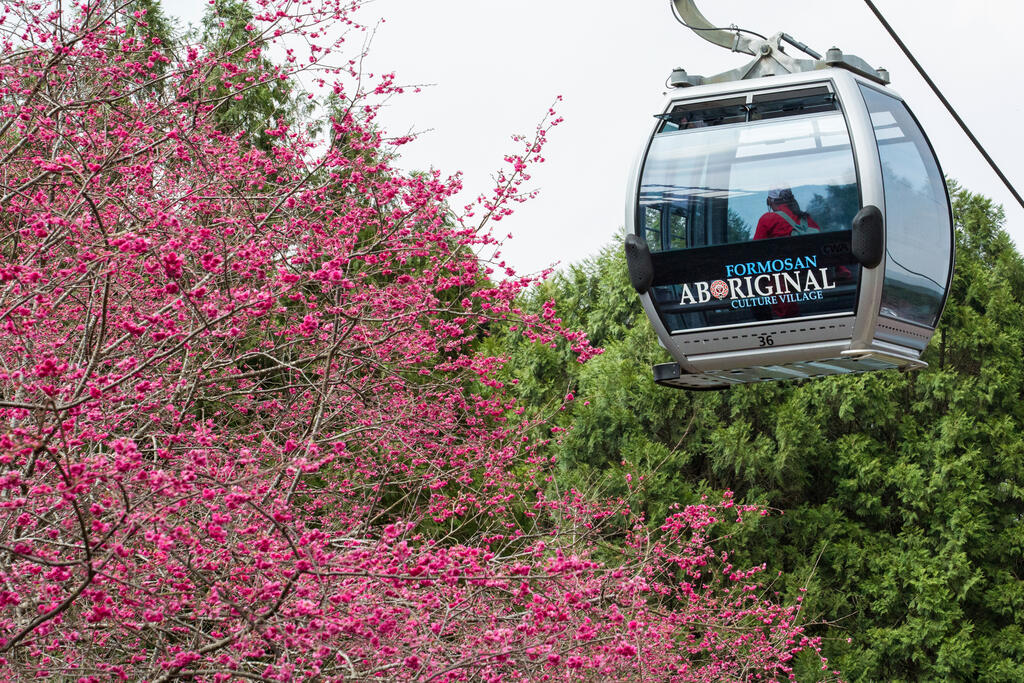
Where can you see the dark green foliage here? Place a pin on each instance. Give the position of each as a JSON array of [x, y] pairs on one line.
[[834, 212], [152, 23], [902, 494], [247, 73], [737, 229]]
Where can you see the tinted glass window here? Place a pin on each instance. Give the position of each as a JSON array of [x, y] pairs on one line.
[[774, 105], [722, 256], [702, 115], [712, 183], [917, 239]]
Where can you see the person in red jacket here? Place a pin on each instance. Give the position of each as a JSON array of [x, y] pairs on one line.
[[784, 218]]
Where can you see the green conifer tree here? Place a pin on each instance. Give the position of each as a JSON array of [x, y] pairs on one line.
[[902, 493]]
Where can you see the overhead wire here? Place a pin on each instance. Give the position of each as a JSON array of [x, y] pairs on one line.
[[945, 102]]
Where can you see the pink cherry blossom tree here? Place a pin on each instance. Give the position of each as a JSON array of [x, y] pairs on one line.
[[245, 431]]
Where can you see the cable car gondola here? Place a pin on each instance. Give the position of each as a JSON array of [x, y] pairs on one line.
[[787, 220]]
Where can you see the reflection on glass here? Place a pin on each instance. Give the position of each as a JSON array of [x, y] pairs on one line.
[[708, 186], [704, 186], [918, 247]]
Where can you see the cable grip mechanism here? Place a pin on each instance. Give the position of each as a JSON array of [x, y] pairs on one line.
[[770, 55]]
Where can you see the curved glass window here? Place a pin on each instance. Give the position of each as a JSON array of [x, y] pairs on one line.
[[918, 241], [722, 252]]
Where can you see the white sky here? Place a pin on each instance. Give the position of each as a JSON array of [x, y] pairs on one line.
[[496, 67]]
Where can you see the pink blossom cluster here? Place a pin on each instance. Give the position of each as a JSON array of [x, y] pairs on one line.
[[245, 431]]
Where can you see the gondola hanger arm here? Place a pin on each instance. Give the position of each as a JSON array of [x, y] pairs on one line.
[[770, 59], [730, 39]]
